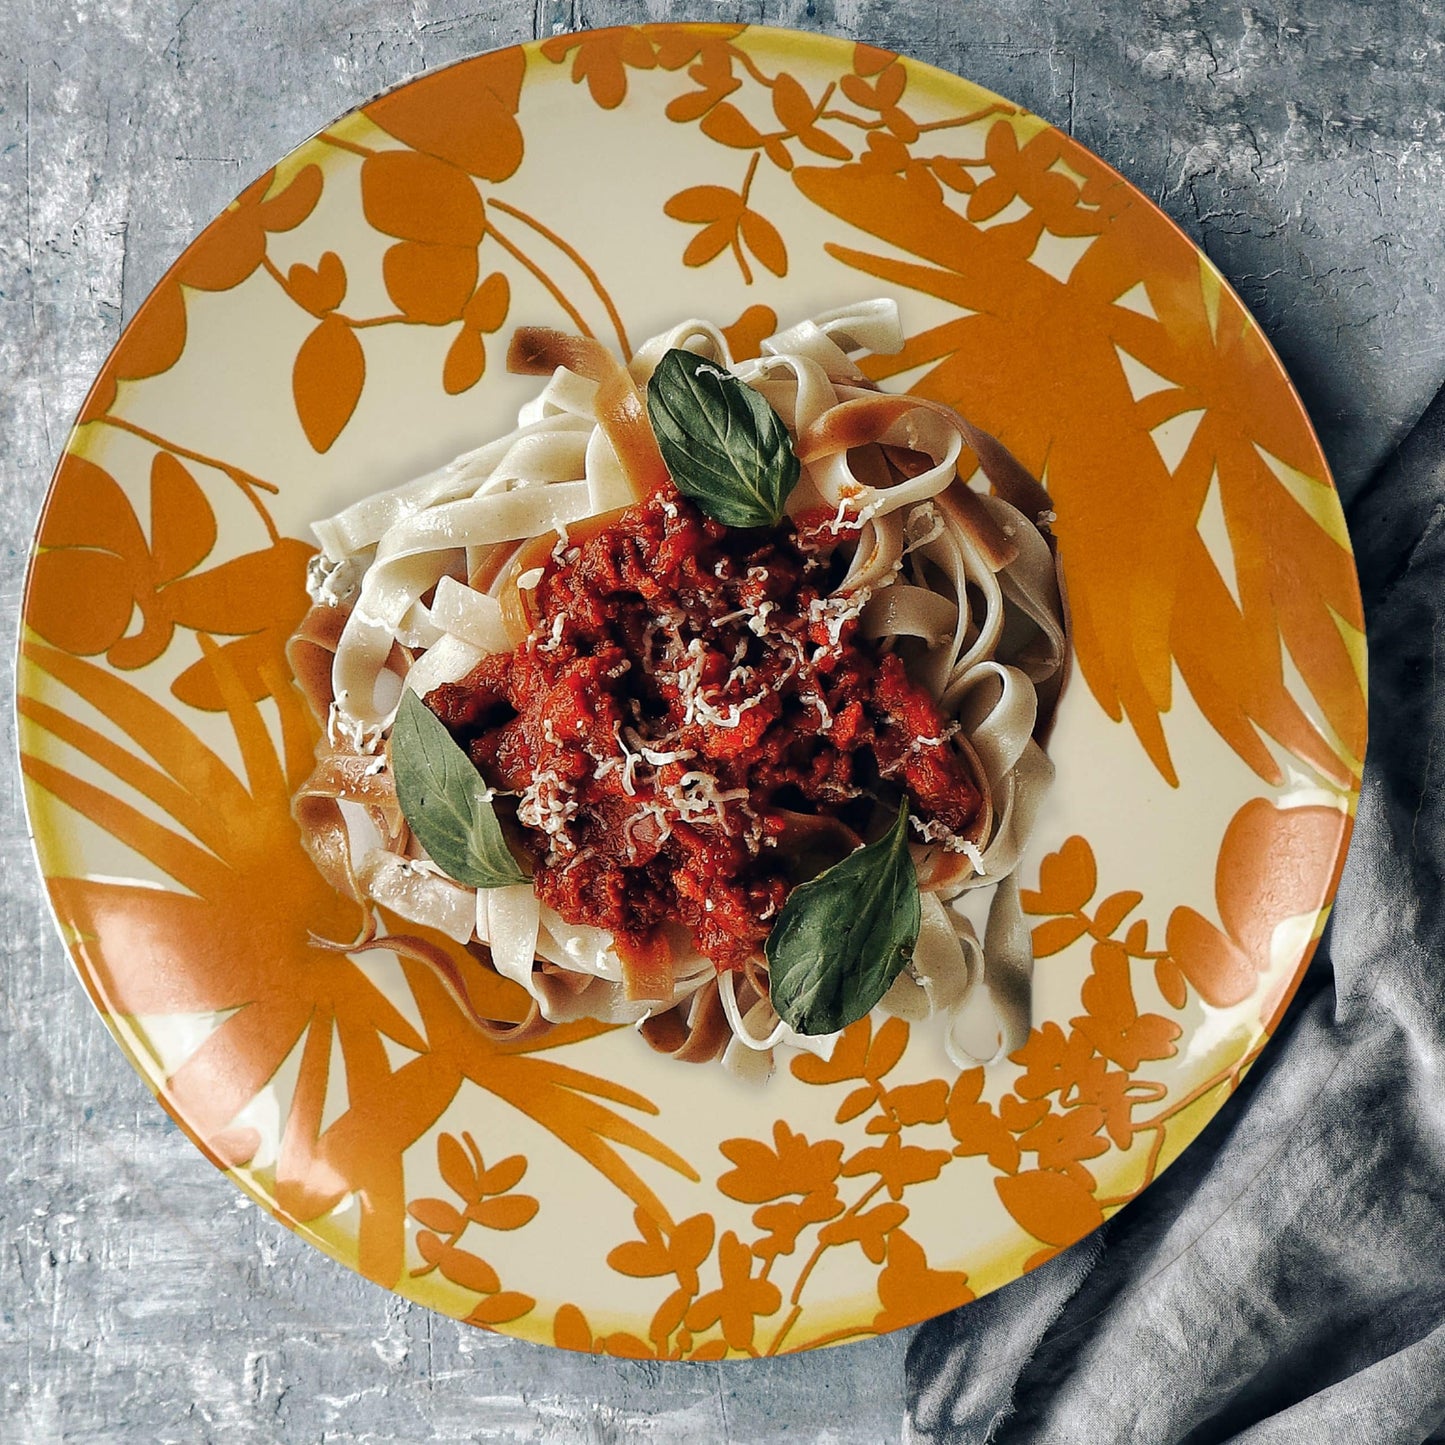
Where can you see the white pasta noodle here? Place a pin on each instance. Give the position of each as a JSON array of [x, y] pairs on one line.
[[958, 580]]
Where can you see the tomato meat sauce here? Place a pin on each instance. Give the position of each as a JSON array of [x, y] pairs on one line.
[[694, 725]]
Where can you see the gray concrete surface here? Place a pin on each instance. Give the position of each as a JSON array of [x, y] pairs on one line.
[[141, 1298]]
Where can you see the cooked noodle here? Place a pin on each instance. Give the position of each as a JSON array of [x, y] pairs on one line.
[[414, 586]]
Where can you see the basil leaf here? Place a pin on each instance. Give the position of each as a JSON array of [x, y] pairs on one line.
[[844, 936], [445, 800], [726, 448]]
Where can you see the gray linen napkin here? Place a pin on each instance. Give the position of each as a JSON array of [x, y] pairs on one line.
[[1285, 1280]]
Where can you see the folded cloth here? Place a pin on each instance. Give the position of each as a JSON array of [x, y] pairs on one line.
[[1284, 1281]]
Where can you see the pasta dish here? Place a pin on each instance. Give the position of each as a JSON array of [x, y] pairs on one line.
[[708, 700]]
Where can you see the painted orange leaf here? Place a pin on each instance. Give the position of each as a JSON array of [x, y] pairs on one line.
[[668, 1316], [1060, 1141], [466, 361], [326, 381], [856, 1102], [953, 173], [783, 1222], [510, 1213], [791, 1166], [870, 59], [1171, 981], [704, 203], [897, 1164], [602, 58], [1117, 1094], [458, 1166], [1115, 909], [924, 1103], [678, 1252], [727, 125], [886, 1048], [488, 307], [726, 221], [437, 1215], [910, 1290], [1052, 1206], [746, 335], [464, 115], [485, 312], [1020, 1115], [740, 1298], [504, 1175], [975, 1125], [1113, 1023], [709, 243], [1053, 1061], [626, 1346], [761, 237], [570, 1330], [847, 1061], [1274, 864], [1220, 970], [430, 284], [1057, 934], [320, 288], [419, 198], [460, 1266], [501, 1308], [1067, 880], [870, 1229]]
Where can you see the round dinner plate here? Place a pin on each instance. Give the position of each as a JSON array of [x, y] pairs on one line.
[[339, 329]]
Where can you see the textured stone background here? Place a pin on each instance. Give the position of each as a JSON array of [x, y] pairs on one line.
[[141, 1298]]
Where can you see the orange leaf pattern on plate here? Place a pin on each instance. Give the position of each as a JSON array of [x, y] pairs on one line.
[[910, 1291], [327, 380], [93, 547], [1293, 847], [464, 115]]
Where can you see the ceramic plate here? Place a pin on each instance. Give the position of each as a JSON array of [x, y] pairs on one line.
[[339, 329]]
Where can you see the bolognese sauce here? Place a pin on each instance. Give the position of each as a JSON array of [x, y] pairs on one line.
[[691, 716]]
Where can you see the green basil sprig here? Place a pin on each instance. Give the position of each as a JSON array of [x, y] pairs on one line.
[[726, 448], [445, 800], [844, 936]]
